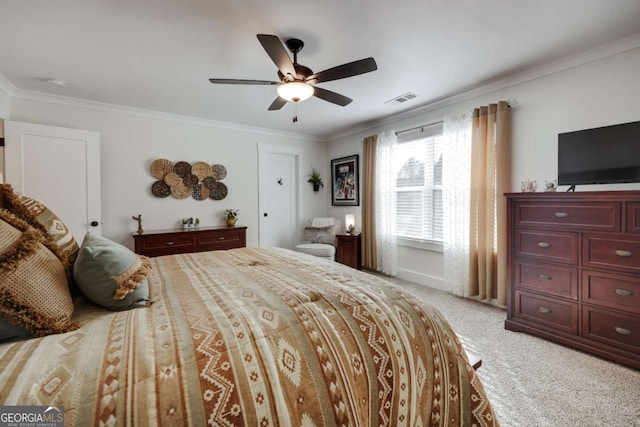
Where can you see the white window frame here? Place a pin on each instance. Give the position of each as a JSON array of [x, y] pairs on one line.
[[411, 241]]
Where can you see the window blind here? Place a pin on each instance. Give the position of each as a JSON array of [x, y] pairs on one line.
[[419, 187]]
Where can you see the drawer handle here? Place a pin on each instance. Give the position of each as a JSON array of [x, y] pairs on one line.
[[624, 292], [623, 253], [544, 277], [169, 243], [544, 310], [544, 244], [220, 238], [561, 214], [622, 331]]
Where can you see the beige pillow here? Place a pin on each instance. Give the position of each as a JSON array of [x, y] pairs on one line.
[[42, 218], [34, 292]]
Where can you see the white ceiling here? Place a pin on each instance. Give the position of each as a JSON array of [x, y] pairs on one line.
[[158, 54]]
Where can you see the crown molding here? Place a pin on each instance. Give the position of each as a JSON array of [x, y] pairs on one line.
[[141, 112], [6, 86], [591, 55]]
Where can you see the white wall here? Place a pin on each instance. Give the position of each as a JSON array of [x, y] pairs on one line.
[[131, 141], [599, 93]]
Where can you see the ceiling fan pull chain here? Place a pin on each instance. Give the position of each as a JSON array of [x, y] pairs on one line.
[[295, 112]]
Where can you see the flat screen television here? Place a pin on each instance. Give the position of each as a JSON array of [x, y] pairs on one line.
[[604, 155]]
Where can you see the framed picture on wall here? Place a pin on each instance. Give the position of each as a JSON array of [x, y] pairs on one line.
[[345, 187]]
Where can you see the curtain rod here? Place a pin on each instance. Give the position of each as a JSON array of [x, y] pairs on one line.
[[512, 103], [419, 127]]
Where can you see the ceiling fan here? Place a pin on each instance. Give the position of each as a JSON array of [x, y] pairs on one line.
[[297, 82]]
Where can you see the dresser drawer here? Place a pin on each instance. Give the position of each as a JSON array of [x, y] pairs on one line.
[[633, 217], [605, 251], [550, 279], [166, 245], [225, 239], [619, 330], [611, 290], [553, 313], [604, 216], [549, 246]]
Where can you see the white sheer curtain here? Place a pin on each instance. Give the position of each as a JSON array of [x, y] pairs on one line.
[[456, 183], [386, 171]]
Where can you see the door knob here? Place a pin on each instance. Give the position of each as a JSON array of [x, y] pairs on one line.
[[94, 223]]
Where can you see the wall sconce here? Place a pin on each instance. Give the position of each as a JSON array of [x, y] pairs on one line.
[[350, 223]]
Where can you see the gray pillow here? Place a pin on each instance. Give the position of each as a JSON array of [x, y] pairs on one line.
[[9, 331], [110, 275]]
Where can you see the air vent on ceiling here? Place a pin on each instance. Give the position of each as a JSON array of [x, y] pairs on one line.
[[402, 99]]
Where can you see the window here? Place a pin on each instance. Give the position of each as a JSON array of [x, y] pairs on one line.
[[419, 186]]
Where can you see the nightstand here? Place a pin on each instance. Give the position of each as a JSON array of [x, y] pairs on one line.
[[348, 250]]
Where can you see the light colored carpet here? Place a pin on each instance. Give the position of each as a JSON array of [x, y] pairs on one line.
[[533, 382]]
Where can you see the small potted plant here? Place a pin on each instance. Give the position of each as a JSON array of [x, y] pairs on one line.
[[315, 179], [185, 222], [197, 222], [231, 215]]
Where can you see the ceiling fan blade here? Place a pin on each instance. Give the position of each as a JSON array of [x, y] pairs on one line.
[[345, 70], [242, 82], [330, 96], [277, 104], [277, 53]]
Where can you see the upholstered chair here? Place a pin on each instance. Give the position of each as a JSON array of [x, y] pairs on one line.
[[319, 238]]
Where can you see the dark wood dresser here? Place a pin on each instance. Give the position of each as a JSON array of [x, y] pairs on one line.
[[179, 241], [574, 270]]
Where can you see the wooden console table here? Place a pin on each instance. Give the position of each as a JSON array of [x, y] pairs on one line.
[[179, 241]]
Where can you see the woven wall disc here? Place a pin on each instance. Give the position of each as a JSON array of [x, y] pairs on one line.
[[201, 170], [161, 167], [160, 189], [200, 192], [209, 182], [219, 172], [180, 191], [219, 191], [190, 180], [172, 179], [182, 169]]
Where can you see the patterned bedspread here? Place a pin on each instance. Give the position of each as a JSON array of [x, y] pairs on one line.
[[255, 337]]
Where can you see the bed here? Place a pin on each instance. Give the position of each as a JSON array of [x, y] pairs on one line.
[[255, 337]]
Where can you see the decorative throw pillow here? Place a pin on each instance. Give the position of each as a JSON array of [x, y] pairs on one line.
[[34, 293], [10, 331], [42, 218], [110, 275]]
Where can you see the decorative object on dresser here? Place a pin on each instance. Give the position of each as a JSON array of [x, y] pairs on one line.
[[348, 250], [181, 180], [574, 270], [231, 216], [139, 220], [178, 241]]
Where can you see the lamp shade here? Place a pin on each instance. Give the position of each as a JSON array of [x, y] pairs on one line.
[[349, 222], [295, 91]]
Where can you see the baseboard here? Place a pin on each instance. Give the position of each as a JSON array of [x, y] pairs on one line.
[[422, 279]]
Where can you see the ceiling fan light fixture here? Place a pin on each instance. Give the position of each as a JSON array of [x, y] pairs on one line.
[[295, 91]]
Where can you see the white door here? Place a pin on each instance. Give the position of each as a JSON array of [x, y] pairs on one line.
[[278, 196], [59, 167]]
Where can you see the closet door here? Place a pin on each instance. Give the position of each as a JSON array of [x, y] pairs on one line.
[[59, 167]]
